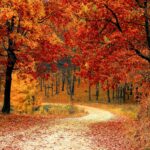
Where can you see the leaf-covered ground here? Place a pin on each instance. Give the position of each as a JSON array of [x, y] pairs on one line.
[[14, 123], [111, 135], [99, 130]]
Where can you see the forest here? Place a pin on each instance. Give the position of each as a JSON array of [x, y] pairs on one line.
[[75, 74]]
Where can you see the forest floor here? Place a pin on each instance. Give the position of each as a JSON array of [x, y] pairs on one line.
[[98, 130]]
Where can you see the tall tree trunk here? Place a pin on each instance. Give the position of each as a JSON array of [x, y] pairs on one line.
[[69, 83], [118, 94], [9, 70], [120, 90], [121, 93], [108, 93], [73, 85], [48, 88], [56, 85], [63, 81], [131, 89], [79, 79], [73, 81], [147, 23], [11, 60], [108, 96], [52, 86], [113, 94], [124, 93]]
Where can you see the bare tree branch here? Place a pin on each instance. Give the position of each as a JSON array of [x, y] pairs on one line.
[[116, 18], [139, 53]]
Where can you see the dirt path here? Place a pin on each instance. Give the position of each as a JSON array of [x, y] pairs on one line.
[[64, 134]]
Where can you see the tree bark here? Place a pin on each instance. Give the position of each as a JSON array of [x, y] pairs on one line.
[[63, 81], [79, 80], [56, 85], [124, 93], [52, 85], [108, 96], [147, 29], [11, 60], [8, 81], [73, 85], [73, 82], [113, 94], [108, 93]]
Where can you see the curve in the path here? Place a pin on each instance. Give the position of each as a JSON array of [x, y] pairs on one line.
[[66, 134], [95, 115]]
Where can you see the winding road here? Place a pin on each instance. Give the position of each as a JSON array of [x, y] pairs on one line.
[[65, 134]]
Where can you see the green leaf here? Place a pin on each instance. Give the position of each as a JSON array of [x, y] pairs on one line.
[[94, 8], [106, 39]]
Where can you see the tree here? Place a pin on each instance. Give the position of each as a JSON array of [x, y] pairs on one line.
[[113, 39], [26, 38], [17, 28]]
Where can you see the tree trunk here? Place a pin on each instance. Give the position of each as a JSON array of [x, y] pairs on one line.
[[108, 96], [63, 81], [73, 85], [147, 29], [131, 89], [9, 70], [48, 88], [73, 82], [113, 94], [128, 95], [118, 94], [52, 85], [56, 85], [79, 80], [11, 60], [108, 93], [124, 93]]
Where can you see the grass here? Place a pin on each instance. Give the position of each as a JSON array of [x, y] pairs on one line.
[[58, 109], [62, 110]]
